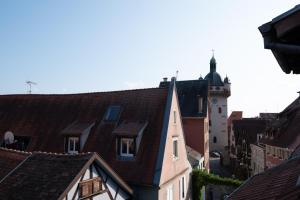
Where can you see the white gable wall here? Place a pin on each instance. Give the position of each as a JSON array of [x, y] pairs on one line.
[[112, 186]]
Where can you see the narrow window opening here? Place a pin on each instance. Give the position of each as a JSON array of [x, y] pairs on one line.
[[215, 139], [175, 148]]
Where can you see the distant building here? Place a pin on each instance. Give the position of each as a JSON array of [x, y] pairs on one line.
[[280, 182], [139, 134], [219, 91], [235, 115], [38, 175], [258, 158], [283, 136], [193, 103], [246, 131]]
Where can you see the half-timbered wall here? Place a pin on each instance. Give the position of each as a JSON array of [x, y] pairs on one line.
[[111, 190]]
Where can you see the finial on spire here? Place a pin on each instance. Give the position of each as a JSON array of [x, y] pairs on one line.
[[213, 53]]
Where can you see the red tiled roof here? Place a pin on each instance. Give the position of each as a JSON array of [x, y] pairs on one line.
[[274, 184], [44, 117], [235, 115]]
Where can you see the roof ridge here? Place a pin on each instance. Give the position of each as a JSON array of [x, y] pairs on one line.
[[15, 151], [99, 92], [63, 154]]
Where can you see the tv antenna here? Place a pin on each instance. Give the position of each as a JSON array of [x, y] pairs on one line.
[[30, 83]]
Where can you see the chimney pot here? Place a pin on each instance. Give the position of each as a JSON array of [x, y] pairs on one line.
[[165, 79]]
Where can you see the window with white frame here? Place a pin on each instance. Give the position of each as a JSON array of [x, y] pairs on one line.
[[182, 188], [127, 147], [175, 147], [170, 192], [73, 145]]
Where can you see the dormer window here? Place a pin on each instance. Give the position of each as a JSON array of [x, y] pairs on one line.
[[127, 147], [112, 113], [128, 138], [73, 145]]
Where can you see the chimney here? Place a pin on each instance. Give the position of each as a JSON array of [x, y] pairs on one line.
[[165, 79]]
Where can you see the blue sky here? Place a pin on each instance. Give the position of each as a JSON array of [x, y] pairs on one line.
[[86, 46]]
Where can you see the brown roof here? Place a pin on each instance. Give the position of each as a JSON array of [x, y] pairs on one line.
[[9, 160], [44, 117], [42, 175], [286, 127], [275, 184], [76, 128], [129, 128], [235, 115]]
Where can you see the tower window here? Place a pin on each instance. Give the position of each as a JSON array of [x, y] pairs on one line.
[[220, 110], [215, 139]]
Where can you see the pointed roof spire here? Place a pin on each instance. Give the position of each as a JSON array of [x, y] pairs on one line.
[[213, 63]]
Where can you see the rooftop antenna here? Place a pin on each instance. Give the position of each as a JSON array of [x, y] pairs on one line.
[[177, 74], [30, 83]]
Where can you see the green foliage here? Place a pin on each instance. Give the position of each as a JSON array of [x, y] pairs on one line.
[[201, 178]]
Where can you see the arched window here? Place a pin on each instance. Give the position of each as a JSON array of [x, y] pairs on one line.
[[220, 110], [215, 139]]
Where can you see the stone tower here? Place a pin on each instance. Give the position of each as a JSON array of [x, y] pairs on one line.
[[219, 91]]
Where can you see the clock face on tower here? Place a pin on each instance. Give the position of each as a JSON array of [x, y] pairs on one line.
[[214, 100]]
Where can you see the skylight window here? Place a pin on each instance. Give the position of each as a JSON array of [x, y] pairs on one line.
[[112, 113]]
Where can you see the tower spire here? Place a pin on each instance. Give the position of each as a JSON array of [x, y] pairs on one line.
[[213, 63]]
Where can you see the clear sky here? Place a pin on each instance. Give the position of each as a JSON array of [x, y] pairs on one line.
[[86, 46]]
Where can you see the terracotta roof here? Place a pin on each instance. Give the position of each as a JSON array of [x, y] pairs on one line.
[[235, 115], [275, 184], [44, 117]]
